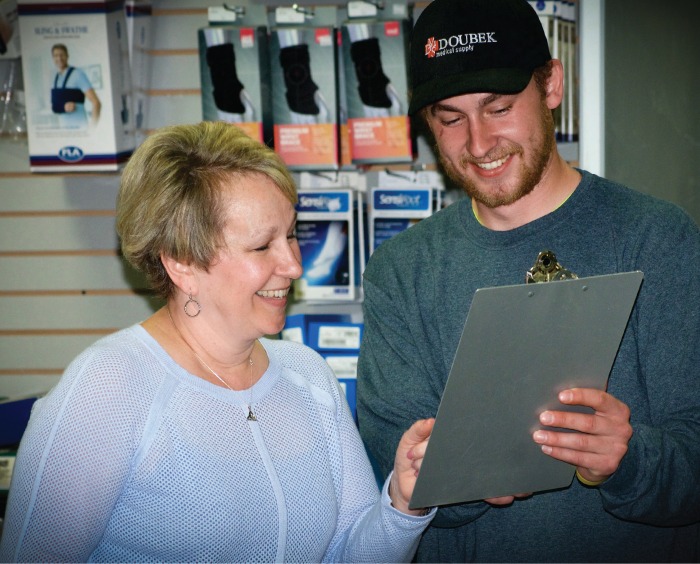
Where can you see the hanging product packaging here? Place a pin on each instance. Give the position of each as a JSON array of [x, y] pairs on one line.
[[304, 97], [326, 232], [374, 63], [78, 85], [393, 210], [139, 35], [235, 71]]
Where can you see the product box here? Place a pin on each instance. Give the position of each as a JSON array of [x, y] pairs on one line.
[[14, 416], [139, 39], [325, 336], [393, 210], [9, 30], [344, 367], [78, 85], [326, 233], [376, 87], [296, 326], [7, 465], [304, 97], [235, 71], [345, 158]]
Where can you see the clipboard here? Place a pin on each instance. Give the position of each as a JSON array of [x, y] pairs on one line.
[[520, 346]]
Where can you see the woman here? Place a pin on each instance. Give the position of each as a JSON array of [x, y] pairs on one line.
[[191, 437]]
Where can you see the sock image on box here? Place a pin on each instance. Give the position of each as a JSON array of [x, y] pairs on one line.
[[297, 78], [325, 252], [331, 253], [226, 86]]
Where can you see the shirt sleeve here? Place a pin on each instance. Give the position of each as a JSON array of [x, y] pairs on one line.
[[79, 79], [398, 384], [369, 528], [658, 480], [72, 461]]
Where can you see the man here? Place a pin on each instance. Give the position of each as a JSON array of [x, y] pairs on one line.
[[485, 84], [69, 89]]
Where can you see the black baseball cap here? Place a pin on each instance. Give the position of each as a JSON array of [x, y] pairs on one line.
[[465, 46]]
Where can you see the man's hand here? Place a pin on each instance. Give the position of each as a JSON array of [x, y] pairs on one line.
[[409, 457], [602, 438]]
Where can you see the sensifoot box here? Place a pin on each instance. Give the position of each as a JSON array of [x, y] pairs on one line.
[[326, 232], [78, 85], [393, 210]]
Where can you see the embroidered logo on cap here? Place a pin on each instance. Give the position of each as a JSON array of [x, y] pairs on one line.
[[457, 43], [431, 48]]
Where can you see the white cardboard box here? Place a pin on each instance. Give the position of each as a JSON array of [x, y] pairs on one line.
[[82, 121]]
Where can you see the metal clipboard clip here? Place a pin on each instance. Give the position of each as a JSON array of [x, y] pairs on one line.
[[547, 269]]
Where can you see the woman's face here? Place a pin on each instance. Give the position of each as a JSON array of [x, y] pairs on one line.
[[246, 288]]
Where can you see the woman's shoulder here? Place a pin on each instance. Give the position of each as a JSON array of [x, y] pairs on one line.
[[292, 354], [120, 360], [111, 380], [301, 361]]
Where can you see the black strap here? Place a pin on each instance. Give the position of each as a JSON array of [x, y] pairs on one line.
[[65, 79]]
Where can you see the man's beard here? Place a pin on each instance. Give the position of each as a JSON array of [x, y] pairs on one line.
[[531, 174]]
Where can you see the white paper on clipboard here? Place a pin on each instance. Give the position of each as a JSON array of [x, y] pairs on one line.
[[520, 346]]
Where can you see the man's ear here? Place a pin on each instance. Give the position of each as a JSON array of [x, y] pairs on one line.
[[555, 85], [181, 274]]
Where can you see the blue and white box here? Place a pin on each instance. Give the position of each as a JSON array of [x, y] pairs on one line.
[[335, 337], [344, 366], [75, 62], [296, 326], [326, 233], [393, 210]]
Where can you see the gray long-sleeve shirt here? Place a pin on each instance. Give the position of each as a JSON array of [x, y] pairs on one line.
[[418, 288]]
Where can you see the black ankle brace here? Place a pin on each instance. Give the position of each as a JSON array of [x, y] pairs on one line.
[[226, 86]]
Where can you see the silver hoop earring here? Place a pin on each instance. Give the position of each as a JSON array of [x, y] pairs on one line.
[[191, 300]]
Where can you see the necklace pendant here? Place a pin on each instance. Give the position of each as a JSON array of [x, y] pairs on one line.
[[251, 415]]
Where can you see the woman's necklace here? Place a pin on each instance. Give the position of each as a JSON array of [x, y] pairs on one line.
[[251, 415]]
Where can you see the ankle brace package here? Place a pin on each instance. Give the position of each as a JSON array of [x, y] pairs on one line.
[[234, 74], [373, 57], [304, 96]]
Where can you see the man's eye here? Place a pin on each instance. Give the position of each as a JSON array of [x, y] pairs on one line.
[[501, 111], [448, 121]]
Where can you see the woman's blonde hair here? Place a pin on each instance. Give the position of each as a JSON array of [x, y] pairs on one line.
[[170, 192]]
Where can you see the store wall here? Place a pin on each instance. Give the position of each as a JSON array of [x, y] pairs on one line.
[[652, 83], [63, 284]]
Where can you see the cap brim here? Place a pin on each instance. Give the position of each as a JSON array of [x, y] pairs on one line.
[[493, 81]]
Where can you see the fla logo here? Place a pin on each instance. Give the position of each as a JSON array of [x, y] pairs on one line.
[[70, 154]]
